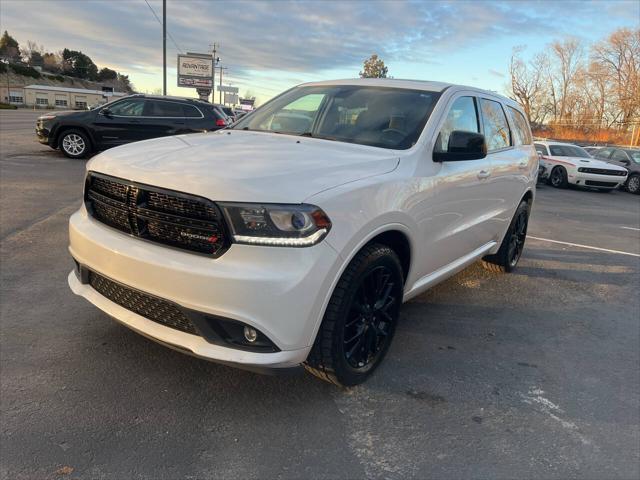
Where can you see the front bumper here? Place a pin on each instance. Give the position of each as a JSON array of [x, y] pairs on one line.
[[279, 291], [43, 134], [595, 180]]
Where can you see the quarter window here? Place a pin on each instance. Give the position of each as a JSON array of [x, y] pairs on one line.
[[462, 116], [127, 108], [496, 128], [191, 111], [521, 131]]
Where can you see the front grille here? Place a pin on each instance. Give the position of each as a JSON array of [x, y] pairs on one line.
[[602, 171], [162, 216], [148, 306], [593, 183]]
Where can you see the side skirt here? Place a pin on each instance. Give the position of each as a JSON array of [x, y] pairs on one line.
[[454, 267]]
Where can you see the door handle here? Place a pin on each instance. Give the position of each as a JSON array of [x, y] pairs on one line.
[[484, 174], [135, 121]]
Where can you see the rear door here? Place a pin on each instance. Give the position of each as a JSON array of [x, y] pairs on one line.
[[163, 118], [119, 122], [505, 187]]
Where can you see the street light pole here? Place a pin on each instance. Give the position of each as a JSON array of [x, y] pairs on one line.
[[164, 47]]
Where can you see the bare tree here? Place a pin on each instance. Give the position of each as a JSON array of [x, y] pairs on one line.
[[566, 58], [527, 85], [618, 58]]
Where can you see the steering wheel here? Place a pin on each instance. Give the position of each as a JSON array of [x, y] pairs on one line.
[[399, 134]]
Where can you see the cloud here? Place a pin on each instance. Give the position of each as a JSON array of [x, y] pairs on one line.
[[292, 39]]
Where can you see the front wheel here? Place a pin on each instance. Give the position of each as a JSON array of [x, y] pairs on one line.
[[506, 259], [74, 144], [633, 184], [558, 178], [360, 320]]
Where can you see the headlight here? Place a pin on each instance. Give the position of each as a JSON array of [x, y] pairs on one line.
[[46, 117], [276, 224]]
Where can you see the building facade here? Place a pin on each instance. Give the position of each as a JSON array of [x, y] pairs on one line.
[[49, 97]]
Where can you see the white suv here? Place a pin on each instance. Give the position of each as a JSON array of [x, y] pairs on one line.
[[293, 237]]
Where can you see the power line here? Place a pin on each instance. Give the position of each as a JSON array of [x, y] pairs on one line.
[[160, 22]]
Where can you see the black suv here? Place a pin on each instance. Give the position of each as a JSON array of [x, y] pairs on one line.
[[132, 118]]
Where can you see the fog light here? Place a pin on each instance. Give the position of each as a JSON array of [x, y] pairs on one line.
[[250, 334]]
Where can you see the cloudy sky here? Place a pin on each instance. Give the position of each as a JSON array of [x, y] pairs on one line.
[[270, 45]]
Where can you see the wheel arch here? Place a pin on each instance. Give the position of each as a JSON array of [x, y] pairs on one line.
[[65, 128]]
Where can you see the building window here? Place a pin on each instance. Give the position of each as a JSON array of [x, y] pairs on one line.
[[42, 101], [16, 99], [81, 105], [61, 102]]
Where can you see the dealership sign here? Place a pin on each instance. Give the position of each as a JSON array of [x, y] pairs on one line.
[[195, 70]]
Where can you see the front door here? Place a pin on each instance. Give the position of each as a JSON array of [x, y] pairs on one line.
[[454, 217], [119, 123]]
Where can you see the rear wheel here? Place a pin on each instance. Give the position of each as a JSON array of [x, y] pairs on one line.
[[558, 177], [633, 184], [506, 259], [74, 144], [360, 320]]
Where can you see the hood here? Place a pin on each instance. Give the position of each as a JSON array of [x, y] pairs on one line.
[[231, 165], [64, 113], [586, 162]]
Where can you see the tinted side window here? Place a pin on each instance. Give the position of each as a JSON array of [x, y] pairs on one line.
[[619, 155], [127, 108], [496, 128], [462, 116], [191, 111], [158, 108], [521, 131], [541, 148]]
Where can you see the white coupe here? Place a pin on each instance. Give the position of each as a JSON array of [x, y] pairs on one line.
[[569, 164]]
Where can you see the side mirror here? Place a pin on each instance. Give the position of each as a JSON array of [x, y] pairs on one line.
[[106, 112], [625, 162], [463, 146], [539, 156]]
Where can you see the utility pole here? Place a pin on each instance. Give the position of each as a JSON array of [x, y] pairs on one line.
[[164, 47], [213, 73], [221, 86]]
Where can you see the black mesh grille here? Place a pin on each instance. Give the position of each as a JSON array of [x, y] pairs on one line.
[[163, 216], [148, 306], [603, 171]]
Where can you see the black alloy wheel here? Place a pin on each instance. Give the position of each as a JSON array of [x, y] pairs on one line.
[[360, 319], [510, 251], [558, 177], [517, 238], [366, 332]]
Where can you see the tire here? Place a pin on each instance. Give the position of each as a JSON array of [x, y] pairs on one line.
[[506, 259], [360, 320], [74, 144], [558, 177], [633, 184]]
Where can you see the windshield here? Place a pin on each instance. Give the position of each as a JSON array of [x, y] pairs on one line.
[[635, 155], [377, 116], [568, 151]]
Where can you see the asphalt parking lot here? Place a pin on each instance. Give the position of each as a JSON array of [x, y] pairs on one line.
[[530, 375]]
